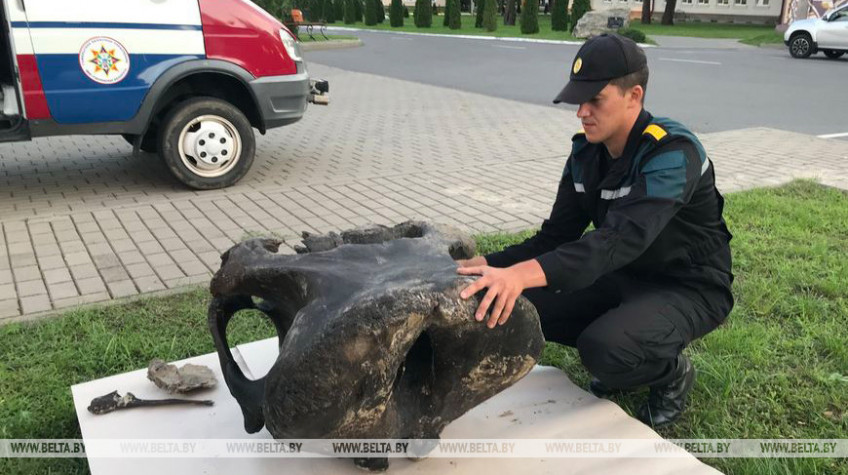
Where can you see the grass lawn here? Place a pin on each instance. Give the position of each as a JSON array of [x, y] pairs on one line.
[[777, 369], [749, 34], [545, 31]]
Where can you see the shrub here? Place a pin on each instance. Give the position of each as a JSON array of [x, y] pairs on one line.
[[481, 8], [632, 33], [381, 11], [340, 8], [559, 16], [396, 13], [370, 13], [358, 9], [578, 9], [490, 15], [530, 17], [350, 11], [329, 11], [454, 18], [423, 14]]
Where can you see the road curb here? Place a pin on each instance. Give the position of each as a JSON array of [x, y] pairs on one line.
[[331, 44]]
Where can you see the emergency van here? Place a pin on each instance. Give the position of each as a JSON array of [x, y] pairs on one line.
[[187, 79]]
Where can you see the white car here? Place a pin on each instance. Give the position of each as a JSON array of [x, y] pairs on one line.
[[828, 34]]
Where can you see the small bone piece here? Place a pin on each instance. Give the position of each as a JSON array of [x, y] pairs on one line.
[[114, 402]]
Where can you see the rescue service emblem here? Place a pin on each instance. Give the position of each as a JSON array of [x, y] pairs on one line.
[[104, 60], [578, 63]]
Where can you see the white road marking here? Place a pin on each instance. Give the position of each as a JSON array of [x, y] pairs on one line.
[[690, 61], [509, 47], [833, 136]]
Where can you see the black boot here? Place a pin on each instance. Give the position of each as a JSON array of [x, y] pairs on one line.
[[601, 390], [667, 402]]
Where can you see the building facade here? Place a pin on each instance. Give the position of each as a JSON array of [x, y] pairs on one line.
[[766, 12]]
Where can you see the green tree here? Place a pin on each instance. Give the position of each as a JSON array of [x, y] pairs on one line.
[[339, 5], [315, 10], [329, 11], [490, 15], [381, 11], [447, 13], [530, 17], [559, 15], [578, 9], [358, 10], [423, 14], [454, 18], [480, 5], [350, 11], [396, 13], [370, 13]]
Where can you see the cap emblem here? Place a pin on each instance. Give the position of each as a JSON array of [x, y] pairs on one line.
[[578, 63]]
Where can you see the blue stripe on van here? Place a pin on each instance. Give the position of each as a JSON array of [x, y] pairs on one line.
[[73, 98], [129, 26]]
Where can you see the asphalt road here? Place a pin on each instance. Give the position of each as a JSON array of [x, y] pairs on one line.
[[709, 85]]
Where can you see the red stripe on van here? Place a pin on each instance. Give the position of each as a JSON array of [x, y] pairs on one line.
[[36, 102]]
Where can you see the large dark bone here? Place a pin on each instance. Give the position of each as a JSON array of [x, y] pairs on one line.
[[375, 342]]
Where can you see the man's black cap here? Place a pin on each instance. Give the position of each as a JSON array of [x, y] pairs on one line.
[[600, 60]]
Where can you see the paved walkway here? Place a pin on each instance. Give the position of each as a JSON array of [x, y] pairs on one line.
[[83, 221], [685, 42]]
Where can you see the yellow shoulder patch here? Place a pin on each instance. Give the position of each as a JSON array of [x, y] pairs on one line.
[[655, 131]]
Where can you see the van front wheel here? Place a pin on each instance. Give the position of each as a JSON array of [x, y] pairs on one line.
[[207, 143]]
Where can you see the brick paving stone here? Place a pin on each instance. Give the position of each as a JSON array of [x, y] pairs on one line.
[[31, 287], [27, 273], [62, 290], [149, 283], [91, 285], [83, 271], [9, 308], [58, 275], [123, 288], [35, 304]]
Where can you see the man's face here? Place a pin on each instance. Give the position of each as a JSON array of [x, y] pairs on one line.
[[607, 113]]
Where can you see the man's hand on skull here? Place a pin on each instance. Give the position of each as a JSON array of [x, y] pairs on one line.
[[505, 286]]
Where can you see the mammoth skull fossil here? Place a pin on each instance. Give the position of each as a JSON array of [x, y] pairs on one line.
[[375, 342]]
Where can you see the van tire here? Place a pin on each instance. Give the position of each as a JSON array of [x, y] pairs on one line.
[[833, 54], [207, 143]]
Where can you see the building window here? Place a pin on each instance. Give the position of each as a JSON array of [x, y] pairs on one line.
[[686, 2], [723, 2], [741, 3], [763, 3], [703, 2]]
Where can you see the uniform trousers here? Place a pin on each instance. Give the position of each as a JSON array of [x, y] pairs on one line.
[[630, 330]]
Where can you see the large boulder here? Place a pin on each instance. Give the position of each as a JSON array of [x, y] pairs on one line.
[[596, 22], [375, 342]]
